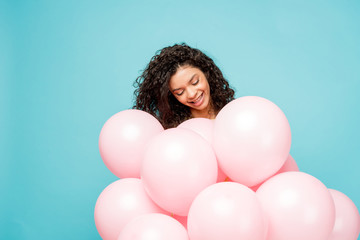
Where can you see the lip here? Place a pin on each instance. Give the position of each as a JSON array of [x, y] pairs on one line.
[[198, 100]]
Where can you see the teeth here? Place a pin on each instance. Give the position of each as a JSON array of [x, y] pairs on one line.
[[197, 99]]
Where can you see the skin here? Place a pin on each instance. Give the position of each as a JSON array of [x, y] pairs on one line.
[[191, 88]]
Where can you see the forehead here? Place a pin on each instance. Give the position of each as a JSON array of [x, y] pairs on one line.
[[183, 75]]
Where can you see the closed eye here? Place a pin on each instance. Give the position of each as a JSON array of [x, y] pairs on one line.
[[179, 93], [196, 82]]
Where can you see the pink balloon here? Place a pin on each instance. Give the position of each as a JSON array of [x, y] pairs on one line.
[[122, 141], [252, 139], [204, 127], [228, 211], [181, 219], [298, 207], [347, 221], [120, 202], [178, 164], [289, 166], [153, 226], [221, 176]]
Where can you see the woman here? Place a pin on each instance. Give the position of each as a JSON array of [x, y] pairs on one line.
[[180, 83]]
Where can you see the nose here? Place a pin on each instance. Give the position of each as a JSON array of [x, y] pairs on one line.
[[191, 93]]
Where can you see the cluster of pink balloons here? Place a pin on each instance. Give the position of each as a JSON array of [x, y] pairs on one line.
[[228, 178]]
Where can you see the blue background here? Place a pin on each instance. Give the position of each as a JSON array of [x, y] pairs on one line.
[[68, 66]]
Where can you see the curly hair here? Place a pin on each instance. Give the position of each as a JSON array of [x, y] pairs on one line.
[[152, 86]]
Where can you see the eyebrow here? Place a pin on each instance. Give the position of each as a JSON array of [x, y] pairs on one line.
[[195, 74]]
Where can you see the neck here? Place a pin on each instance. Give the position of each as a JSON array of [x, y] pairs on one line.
[[206, 113]]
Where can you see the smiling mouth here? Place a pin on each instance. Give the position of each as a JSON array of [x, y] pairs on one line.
[[198, 101]]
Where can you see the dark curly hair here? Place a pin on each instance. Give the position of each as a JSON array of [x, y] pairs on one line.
[[152, 86]]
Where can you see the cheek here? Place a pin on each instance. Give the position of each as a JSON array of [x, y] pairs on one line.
[[181, 99], [206, 87]]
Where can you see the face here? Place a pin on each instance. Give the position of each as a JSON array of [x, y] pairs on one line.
[[191, 88]]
